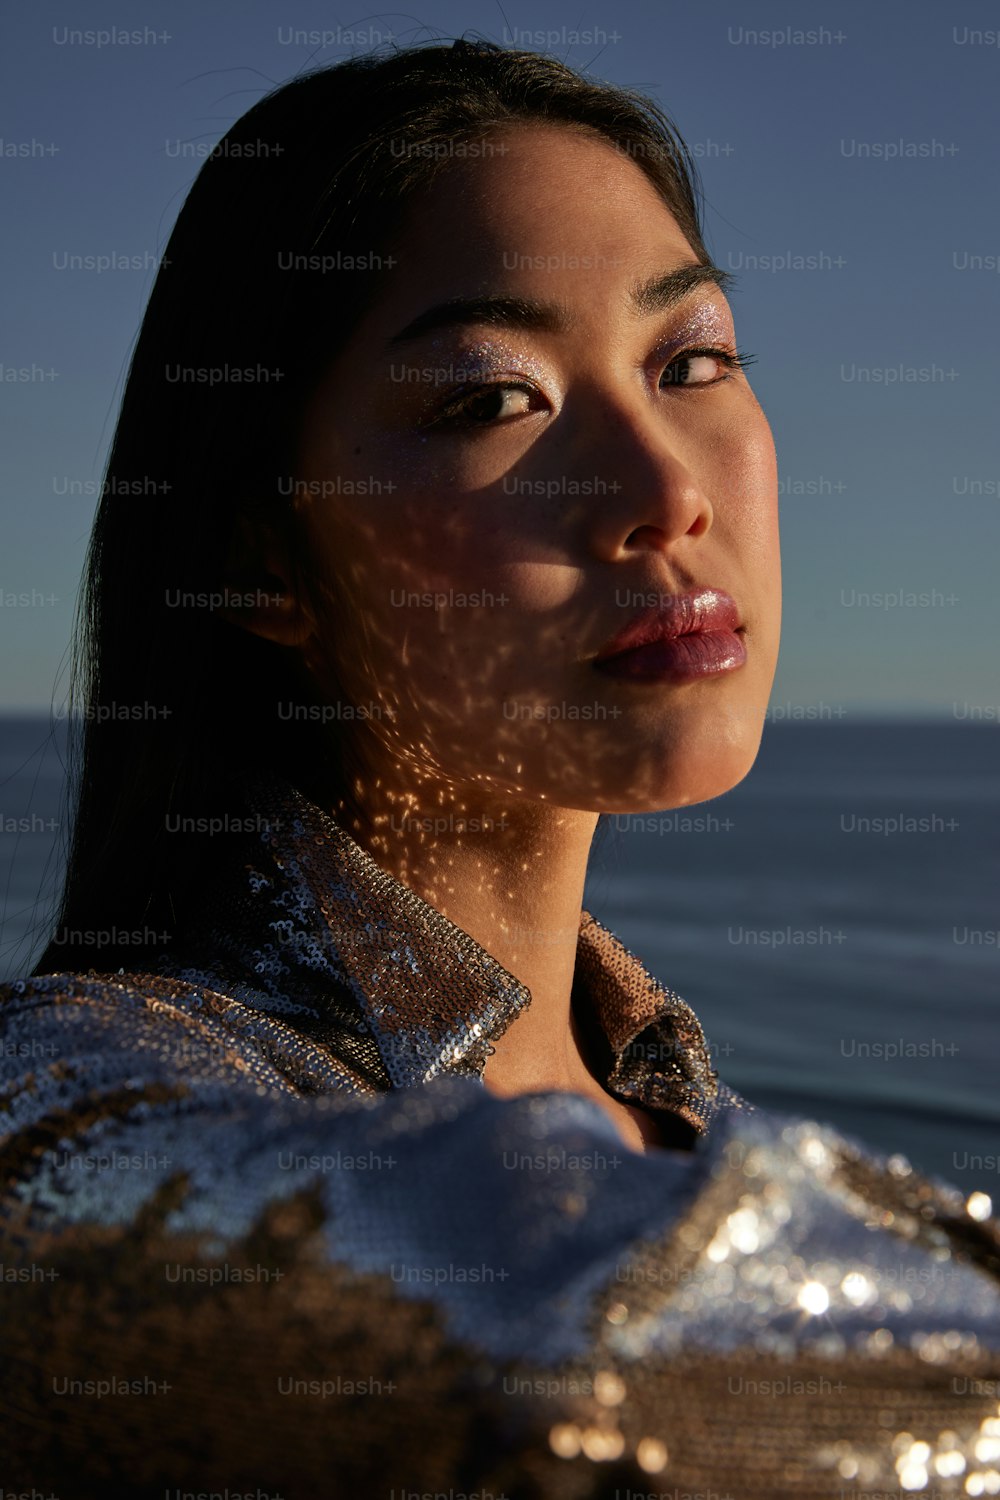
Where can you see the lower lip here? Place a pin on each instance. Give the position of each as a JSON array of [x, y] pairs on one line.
[[682, 659]]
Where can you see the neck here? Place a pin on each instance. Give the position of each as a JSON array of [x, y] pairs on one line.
[[510, 873]]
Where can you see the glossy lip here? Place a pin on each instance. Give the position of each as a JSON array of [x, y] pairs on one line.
[[707, 611]]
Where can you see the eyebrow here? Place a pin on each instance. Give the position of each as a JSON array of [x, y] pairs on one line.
[[656, 294]]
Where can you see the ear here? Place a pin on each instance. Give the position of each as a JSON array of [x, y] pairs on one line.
[[257, 590]]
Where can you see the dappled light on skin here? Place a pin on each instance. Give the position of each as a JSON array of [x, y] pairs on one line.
[[486, 508], [467, 599]]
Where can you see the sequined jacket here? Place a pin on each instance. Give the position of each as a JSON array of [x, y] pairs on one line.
[[264, 1230]]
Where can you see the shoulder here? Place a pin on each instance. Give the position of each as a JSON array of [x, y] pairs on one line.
[[156, 1025], [874, 1240]]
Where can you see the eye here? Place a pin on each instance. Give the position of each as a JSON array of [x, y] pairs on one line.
[[492, 405], [701, 367], [487, 405]]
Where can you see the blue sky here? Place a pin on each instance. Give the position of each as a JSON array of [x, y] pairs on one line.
[[848, 158]]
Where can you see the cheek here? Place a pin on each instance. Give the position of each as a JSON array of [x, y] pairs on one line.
[[436, 533], [744, 486], [417, 594]]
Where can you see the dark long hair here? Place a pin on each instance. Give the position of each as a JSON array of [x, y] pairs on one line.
[[171, 704]]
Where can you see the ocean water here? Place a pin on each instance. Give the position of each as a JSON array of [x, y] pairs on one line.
[[839, 938], [834, 921]]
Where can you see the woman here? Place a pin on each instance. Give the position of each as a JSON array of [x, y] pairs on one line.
[[441, 519]]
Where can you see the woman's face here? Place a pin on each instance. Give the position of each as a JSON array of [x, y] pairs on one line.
[[481, 547]]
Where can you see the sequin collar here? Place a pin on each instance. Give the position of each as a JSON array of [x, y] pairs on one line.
[[308, 925]]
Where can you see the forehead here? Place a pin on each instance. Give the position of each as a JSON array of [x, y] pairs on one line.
[[531, 181], [546, 212]]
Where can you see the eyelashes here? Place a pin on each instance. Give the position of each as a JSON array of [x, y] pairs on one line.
[[472, 409], [725, 357], [461, 412]]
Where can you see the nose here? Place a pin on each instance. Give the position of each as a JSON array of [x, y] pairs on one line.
[[651, 499]]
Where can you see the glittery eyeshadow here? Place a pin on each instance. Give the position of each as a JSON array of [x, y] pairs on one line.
[[710, 322], [451, 368]]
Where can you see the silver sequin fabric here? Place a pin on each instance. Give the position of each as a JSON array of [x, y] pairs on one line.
[[263, 1230]]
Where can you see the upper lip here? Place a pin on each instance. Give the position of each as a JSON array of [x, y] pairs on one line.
[[675, 614]]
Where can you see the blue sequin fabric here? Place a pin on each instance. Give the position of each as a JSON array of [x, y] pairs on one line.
[[264, 1231]]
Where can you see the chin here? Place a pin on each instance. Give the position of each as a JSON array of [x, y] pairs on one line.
[[693, 764]]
